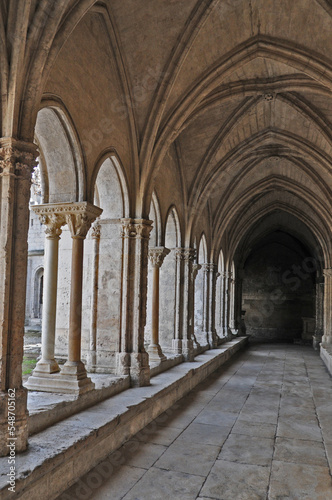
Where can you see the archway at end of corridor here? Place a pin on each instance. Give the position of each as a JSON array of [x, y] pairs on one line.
[[281, 272]]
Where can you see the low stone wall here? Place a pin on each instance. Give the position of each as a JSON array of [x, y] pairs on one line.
[[326, 355], [58, 456]]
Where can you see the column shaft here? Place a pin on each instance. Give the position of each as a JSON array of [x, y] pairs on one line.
[[327, 337], [17, 160], [92, 354], [132, 358]]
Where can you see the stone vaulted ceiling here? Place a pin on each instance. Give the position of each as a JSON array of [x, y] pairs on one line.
[[227, 103]]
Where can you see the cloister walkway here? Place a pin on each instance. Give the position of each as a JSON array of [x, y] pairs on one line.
[[259, 428]]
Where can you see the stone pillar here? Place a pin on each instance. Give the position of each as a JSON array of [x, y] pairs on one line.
[[319, 330], [227, 329], [213, 338], [327, 337], [187, 326], [223, 304], [132, 358], [206, 300], [195, 269], [156, 256], [92, 353], [209, 271], [179, 270], [216, 277], [73, 372], [17, 160], [40, 379]]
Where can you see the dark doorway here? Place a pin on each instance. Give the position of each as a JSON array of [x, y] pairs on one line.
[[279, 289]]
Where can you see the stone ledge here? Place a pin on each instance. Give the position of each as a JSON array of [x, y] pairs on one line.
[[326, 355], [59, 455]]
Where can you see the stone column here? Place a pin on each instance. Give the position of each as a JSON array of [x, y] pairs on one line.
[[187, 325], [157, 256], [227, 329], [319, 329], [73, 372], [40, 378], [209, 304], [206, 300], [327, 337], [195, 269], [132, 359], [17, 160], [92, 353], [177, 341], [213, 338], [223, 304]]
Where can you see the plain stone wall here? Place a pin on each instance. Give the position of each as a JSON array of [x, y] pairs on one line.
[[275, 299]]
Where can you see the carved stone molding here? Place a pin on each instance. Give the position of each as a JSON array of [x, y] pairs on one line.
[[95, 230], [196, 268], [136, 228], [209, 268], [186, 254], [78, 215], [17, 158], [157, 255]]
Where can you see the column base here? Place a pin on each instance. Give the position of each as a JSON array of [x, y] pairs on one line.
[[46, 366], [188, 349], [15, 402], [74, 376], [136, 365], [327, 338], [155, 353], [177, 346], [139, 369]]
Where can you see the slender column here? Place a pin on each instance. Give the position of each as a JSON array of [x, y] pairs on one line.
[[39, 380], [17, 160], [92, 354], [216, 277], [132, 358], [227, 329], [157, 256], [73, 371], [319, 330], [206, 301], [195, 269], [213, 338], [327, 337], [177, 341], [223, 304]]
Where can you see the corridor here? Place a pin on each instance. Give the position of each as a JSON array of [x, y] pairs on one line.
[[258, 428]]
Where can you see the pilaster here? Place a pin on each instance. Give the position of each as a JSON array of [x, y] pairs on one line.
[[133, 359], [17, 160]]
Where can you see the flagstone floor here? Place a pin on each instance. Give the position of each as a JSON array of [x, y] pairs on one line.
[[258, 428]]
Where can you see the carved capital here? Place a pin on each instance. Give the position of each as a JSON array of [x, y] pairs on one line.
[[17, 158], [196, 268], [209, 268], [78, 215], [157, 255], [95, 230], [136, 228], [53, 225], [186, 254]]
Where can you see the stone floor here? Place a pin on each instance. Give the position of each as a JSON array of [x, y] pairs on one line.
[[258, 428]]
